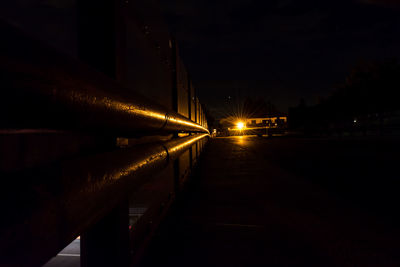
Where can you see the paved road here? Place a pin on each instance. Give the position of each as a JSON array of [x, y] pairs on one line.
[[286, 202]]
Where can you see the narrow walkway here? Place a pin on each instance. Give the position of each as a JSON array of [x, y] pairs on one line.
[[242, 209]]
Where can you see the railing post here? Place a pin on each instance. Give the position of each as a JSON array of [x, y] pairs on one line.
[[189, 89], [106, 243], [174, 76], [176, 177], [190, 158]]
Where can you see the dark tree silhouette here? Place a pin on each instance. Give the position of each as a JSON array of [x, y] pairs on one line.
[[370, 92]]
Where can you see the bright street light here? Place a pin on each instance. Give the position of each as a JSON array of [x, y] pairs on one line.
[[240, 125]]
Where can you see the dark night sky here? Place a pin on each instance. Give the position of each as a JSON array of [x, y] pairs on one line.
[[280, 50]]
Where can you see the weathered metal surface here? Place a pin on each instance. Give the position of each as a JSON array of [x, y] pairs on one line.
[[44, 89], [50, 207], [144, 55]]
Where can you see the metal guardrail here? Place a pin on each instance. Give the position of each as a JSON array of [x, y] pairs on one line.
[[47, 90], [46, 207], [77, 194]]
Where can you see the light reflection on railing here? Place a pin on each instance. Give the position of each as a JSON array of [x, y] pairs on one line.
[[133, 161]]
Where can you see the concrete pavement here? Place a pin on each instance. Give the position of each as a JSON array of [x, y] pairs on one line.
[[285, 202]]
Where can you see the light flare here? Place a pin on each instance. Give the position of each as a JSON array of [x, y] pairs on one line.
[[240, 125]]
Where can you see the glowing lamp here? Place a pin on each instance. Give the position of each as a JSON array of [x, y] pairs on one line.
[[240, 125]]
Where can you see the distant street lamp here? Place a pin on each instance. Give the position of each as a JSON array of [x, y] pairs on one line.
[[240, 125]]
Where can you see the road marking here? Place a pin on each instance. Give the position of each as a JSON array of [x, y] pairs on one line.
[[69, 255]]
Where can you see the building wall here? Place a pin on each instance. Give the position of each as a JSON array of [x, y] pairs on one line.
[[250, 121]]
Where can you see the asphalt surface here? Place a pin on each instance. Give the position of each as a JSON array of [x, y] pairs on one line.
[[68, 257], [286, 202]]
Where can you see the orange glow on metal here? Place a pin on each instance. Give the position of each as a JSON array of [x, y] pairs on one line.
[[158, 154], [186, 144], [134, 109], [135, 166], [188, 123]]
